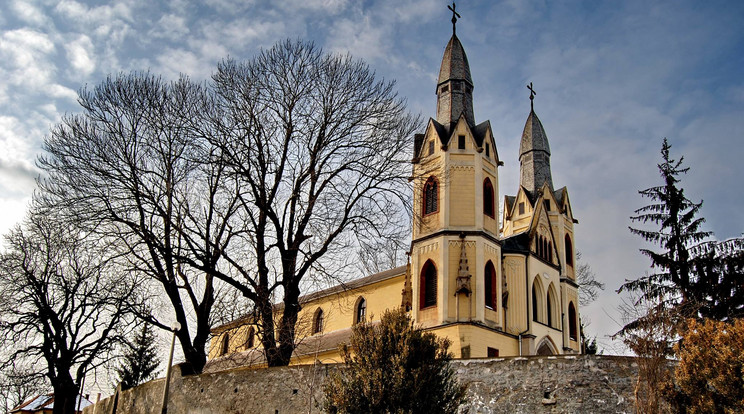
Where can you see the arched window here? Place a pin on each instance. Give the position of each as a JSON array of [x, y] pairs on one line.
[[318, 321], [569, 251], [549, 309], [249, 342], [572, 321], [361, 311], [534, 302], [550, 252], [428, 285], [225, 348], [488, 202], [490, 289], [431, 196]]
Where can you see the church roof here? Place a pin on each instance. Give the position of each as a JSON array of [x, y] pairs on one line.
[[454, 63], [533, 136]]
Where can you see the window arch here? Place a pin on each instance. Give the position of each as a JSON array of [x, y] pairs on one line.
[[534, 302], [251, 338], [318, 321], [488, 202], [569, 251], [572, 334], [552, 307], [490, 288], [360, 311], [225, 346], [430, 196], [428, 285]]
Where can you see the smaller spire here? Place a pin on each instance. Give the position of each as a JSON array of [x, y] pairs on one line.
[[532, 96], [455, 15]]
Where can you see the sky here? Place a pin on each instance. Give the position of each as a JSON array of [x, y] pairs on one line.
[[612, 79]]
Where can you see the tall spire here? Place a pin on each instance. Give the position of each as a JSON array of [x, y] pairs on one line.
[[455, 86], [534, 152]]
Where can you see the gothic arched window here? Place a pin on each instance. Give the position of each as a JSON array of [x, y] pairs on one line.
[[534, 302], [572, 321], [431, 196], [318, 321], [488, 202], [569, 251], [428, 285], [549, 309], [225, 348], [490, 289], [251, 338], [360, 314]]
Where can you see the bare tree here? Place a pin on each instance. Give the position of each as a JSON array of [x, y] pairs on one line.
[[136, 168], [320, 149], [18, 384], [589, 286], [64, 304]]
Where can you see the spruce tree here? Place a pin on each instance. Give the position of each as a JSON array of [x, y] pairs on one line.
[[140, 359], [673, 283]]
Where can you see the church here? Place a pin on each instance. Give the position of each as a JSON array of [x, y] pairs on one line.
[[492, 290]]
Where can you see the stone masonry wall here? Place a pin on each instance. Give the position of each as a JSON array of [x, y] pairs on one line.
[[564, 384]]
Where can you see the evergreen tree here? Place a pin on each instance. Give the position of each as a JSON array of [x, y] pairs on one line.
[[140, 359], [395, 369], [673, 284]]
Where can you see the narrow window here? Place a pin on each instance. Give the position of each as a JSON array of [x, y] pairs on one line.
[[430, 196], [490, 288], [431, 147], [461, 141], [550, 310], [569, 251], [455, 86], [547, 205], [488, 151], [225, 348], [318, 321], [493, 352], [445, 88], [521, 208], [428, 285], [550, 252], [488, 202], [361, 311], [571, 321], [251, 338], [534, 302]]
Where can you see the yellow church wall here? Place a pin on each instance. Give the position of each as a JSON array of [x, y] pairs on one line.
[[476, 340], [461, 196], [338, 311], [428, 250], [339, 308], [517, 311]]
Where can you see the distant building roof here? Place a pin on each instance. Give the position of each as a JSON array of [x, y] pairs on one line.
[[40, 403]]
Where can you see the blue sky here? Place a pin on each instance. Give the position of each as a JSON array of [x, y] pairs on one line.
[[612, 79]]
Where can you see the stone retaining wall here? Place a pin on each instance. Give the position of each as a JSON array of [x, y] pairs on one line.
[[564, 384]]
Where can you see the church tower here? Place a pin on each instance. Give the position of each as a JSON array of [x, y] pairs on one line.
[[490, 290], [456, 251]]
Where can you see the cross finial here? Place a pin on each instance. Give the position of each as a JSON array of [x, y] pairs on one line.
[[532, 96], [455, 15]]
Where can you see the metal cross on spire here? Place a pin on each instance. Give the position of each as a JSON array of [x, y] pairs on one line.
[[532, 96], [455, 15]]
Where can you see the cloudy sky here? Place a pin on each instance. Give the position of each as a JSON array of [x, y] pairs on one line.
[[612, 79]]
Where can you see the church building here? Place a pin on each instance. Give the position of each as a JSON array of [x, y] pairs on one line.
[[492, 290]]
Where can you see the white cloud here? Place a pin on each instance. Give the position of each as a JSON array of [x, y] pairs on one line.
[[171, 27], [29, 13], [26, 54], [81, 55]]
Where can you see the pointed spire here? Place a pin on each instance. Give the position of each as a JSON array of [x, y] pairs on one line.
[[455, 85], [534, 152]]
